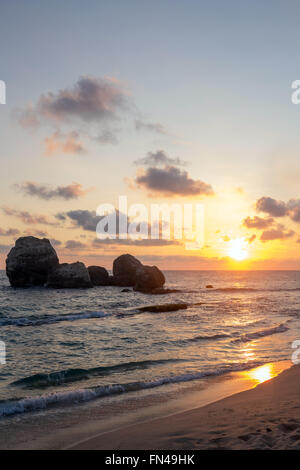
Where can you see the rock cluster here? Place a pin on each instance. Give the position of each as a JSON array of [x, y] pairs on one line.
[[34, 262]]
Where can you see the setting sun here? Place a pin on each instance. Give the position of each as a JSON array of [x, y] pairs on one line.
[[237, 249]]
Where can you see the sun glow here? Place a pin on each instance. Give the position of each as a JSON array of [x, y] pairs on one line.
[[263, 373], [237, 249]]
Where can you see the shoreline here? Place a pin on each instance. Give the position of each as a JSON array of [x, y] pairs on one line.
[[264, 417], [82, 425]]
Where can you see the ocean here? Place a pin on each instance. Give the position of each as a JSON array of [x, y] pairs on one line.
[[65, 347]]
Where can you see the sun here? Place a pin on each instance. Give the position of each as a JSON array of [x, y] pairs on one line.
[[237, 249]]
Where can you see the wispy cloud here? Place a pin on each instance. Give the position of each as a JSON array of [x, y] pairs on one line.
[[258, 222], [156, 127], [71, 191], [276, 234], [159, 158], [59, 143], [10, 232], [28, 218]]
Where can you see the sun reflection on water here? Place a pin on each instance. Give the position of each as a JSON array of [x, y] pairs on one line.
[[263, 373]]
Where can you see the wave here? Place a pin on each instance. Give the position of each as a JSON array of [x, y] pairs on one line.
[[233, 289], [42, 402], [73, 375], [243, 338], [35, 320], [251, 289], [262, 333], [199, 338]]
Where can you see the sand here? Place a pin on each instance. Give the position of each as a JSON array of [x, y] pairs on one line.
[[265, 417]]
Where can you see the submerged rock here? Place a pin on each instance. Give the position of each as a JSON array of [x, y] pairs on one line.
[[99, 276], [30, 261], [124, 270], [163, 308], [69, 276], [161, 291], [149, 278]]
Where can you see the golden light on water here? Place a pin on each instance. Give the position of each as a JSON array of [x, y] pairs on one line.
[[263, 373], [237, 249]]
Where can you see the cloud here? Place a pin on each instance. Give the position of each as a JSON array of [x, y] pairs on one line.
[[277, 208], [10, 232], [28, 218], [171, 181], [159, 158], [272, 207], [107, 137], [294, 209], [59, 143], [155, 127], [74, 245], [72, 191], [55, 242], [276, 234], [35, 233], [85, 219], [89, 100], [251, 239], [141, 242], [258, 222], [5, 248]]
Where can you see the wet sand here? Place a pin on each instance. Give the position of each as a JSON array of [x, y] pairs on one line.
[[204, 415], [265, 417]]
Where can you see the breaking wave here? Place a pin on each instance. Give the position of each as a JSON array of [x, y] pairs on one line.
[[35, 320], [42, 402]]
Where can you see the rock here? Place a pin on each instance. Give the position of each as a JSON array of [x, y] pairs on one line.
[[209, 286], [149, 278], [126, 290], [163, 308], [99, 276], [73, 275], [29, 262], [124, 270], [111, 281], [161, 291]]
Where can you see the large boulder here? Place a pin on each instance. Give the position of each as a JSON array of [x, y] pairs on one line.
[[29, 262], [149, 278], [69, 276], [124, 270], [99, 276]]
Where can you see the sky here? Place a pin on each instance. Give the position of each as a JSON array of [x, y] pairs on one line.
[[163, 102]]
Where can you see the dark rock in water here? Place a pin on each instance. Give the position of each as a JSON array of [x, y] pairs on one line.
[[124, 270], [69, 276], [163, 308], [29, 262], [209, 286], [149, 278], [111, 281], [126, 290], [99, 276], [161, 291]]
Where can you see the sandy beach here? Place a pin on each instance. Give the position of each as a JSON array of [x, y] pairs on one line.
[[266, 417]]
